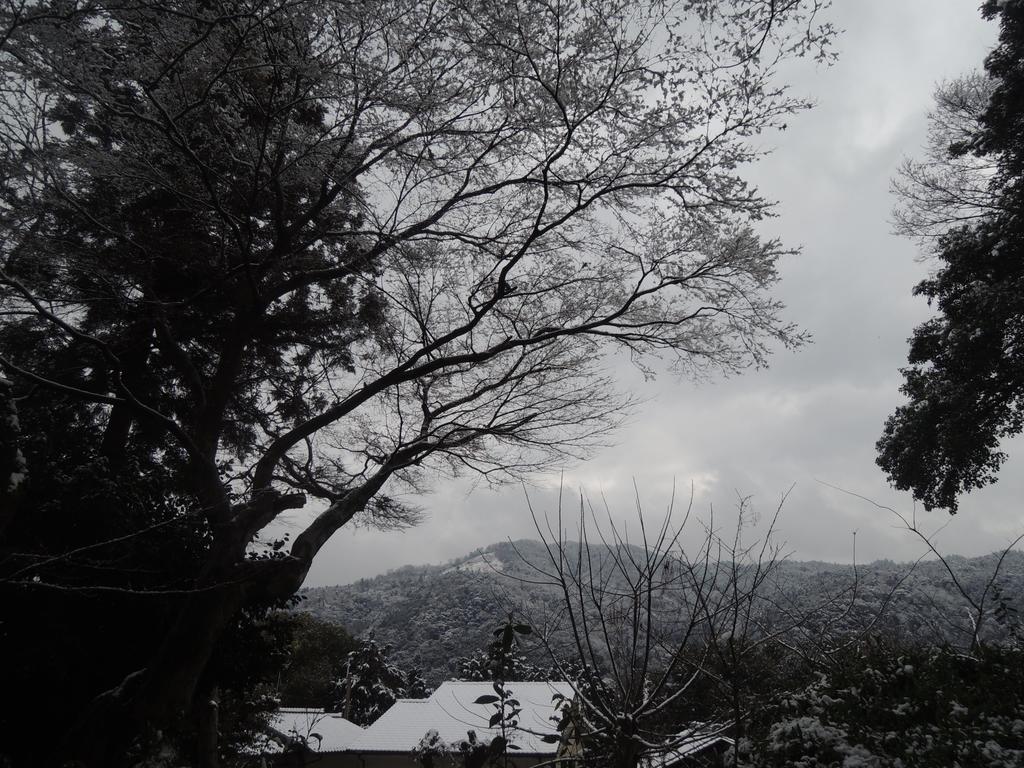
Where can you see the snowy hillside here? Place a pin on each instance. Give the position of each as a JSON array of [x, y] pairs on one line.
[[434, 615]]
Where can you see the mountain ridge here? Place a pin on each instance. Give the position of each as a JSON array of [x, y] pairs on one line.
[[433, 615]]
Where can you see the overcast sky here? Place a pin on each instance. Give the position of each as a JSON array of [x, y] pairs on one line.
[[814, 416]]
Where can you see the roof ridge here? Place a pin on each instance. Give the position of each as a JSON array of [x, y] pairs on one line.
[[505, 682]]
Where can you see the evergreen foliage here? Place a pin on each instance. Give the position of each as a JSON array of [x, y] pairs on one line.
[[432, 615], [317, 657], [965, 381], [372, 683], [882, 705], [502, 660], [103, 562]]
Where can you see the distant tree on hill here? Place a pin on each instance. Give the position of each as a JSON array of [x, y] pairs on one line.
[[503, 659]]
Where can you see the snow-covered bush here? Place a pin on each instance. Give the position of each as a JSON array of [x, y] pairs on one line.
[[372, 683], [882, 707]]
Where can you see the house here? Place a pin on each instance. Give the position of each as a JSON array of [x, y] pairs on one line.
[[323, 733], [418, 731], [450, 728]]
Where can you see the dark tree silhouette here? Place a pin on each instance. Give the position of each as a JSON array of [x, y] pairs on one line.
[[965, 381], [280, 253]]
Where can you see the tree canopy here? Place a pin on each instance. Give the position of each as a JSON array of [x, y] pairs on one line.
[[316, 660], [370, 683], [299, 255], [965, 378]]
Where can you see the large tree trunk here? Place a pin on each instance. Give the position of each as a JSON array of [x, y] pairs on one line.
[[169, 684], [13, 470], [208, 714], [133, 354], [162, 697], [159, 700]]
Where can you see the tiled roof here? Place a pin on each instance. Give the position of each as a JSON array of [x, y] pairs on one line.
[[323, 731], [451, 712]]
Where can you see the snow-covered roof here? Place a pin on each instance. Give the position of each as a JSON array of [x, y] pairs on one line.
[[689, 742], [451, 712], [322, 731]]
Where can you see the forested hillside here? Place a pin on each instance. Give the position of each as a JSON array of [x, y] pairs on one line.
[[434, 615]]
